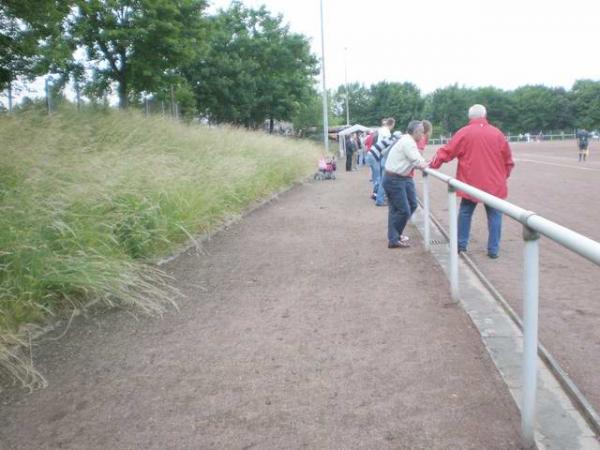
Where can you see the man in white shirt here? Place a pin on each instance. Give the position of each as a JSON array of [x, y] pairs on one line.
[[383, 133], [399, 185]]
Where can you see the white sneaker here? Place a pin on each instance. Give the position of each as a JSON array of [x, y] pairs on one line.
[[404, 238]]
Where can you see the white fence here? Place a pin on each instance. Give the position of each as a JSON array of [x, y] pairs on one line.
[[518, 138], [533, 226]]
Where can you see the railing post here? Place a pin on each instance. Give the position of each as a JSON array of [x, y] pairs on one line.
[[426, 211], [530, 334], [453, 222]]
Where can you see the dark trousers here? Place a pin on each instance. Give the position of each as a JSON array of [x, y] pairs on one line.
[[349, 161], [402, 201]]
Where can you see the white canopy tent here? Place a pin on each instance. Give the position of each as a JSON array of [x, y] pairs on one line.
[[347, 131]]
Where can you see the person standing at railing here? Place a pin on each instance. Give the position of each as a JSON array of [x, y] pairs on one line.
[[399, 185], [384, 134], [485, 162]]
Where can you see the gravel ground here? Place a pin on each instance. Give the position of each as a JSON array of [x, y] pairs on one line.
[[299, 329]]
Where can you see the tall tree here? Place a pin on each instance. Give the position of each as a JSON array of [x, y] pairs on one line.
[[29, 30], [449, 107], [542, 108], [255, 69], [359, 102], [402, 101], [499, 104], [136, 44], [586, 104]]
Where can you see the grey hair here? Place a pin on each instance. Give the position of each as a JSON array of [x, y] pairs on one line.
[[477, 112], [412, 126]]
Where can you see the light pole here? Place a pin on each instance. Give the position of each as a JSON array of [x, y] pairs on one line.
[[325, 109], [346, 83]]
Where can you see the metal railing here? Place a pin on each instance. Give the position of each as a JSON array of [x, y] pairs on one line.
[[533, 226]]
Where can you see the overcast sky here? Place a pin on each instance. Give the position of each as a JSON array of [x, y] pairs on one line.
[[503, 43]]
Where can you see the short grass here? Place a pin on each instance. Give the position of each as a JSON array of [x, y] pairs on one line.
[[88, 198]]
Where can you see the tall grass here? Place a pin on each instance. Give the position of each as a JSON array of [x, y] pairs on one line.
[[88, 198]]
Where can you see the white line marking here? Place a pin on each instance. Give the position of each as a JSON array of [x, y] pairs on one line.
[[556, 164]]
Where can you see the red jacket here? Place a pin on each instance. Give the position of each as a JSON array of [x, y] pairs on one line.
[[369, 141], [484, 158]]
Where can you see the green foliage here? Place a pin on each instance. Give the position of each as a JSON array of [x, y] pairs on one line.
[[138, 44], [586, 104], [359, 102], [87, 198], [541, 108], [402, 101], [31, 38], [255, 69], [309, 115], [449, 107]]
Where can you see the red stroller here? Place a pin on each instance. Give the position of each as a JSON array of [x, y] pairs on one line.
[[326, 169]]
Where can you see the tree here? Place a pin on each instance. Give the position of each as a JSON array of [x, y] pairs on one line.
[[449, 107], [255, 68], [402, 101], [586, 104], [542, 108], [27, 30], [359, 102], [500, 107], [137, 44]]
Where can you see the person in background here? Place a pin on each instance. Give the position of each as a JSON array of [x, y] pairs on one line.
[[350, 148], [356, 142], [427, 130], [383, 133], [360, 154], [485, 162], [373, 163], [399, 185], [583, 138]]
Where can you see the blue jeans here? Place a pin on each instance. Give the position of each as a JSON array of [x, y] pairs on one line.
[[375, 170], [380, 192], [402, 200], [494, 218]]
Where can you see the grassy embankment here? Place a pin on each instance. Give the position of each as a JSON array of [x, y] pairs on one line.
[[87, 199]]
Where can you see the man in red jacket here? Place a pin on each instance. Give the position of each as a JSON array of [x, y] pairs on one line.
[[484, 161]]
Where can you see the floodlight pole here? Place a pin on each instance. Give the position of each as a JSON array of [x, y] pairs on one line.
[[325, 108], [346, 83]]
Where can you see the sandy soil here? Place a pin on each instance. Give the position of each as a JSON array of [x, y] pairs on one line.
[[299, 329]]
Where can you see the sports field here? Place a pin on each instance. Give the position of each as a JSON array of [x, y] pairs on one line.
[[549, 180]]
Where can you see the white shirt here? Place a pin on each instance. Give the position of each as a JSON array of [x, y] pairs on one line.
[[382, 133], [403, 156]]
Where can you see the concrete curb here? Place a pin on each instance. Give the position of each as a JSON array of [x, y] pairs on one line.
[[576, 396]]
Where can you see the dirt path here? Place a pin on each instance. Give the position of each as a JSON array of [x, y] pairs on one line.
[[299, 329]]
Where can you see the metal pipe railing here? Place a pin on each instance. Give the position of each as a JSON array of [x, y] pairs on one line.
[[576, 242], [533, 226]]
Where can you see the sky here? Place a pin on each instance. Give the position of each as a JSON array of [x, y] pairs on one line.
[[503, 43]]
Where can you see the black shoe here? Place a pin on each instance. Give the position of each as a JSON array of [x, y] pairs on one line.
[[462, 250], [493, 255], [398, 245]]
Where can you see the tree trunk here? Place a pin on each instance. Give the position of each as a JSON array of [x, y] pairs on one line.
[[271, 124], [10, 98], [78, 94], [123, 100]]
